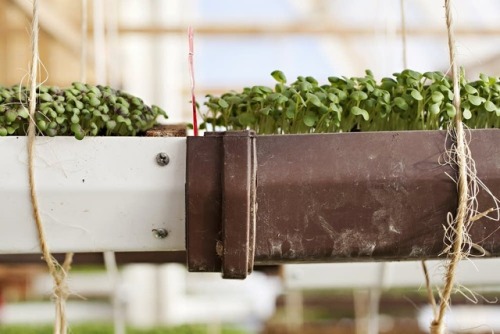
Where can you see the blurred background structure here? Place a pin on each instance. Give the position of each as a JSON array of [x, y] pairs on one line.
[[141, 46]]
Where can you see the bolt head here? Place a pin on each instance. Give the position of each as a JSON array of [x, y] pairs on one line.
[[162, 159], [159, 233]]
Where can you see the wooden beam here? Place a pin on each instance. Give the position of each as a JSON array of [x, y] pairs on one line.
[[301, 28]]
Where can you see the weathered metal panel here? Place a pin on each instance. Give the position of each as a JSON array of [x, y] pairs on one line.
[[363, 196], [347, 197], [95, 195]]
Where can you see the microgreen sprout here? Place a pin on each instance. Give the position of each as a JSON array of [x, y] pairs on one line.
[[406, 101], [80, 110]]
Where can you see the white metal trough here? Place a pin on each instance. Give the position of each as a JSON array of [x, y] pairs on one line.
[[98, 194]]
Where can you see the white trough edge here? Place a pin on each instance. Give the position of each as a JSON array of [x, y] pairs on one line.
[[98, 194], [386, 275]]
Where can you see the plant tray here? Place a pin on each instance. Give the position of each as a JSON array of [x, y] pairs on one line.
[[327, 198], [98, 194]]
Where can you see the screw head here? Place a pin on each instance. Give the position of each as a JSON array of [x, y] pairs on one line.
[[162, 159], [159, 233]]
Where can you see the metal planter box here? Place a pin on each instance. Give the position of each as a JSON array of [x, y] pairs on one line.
[[95, 195], [326, 198]]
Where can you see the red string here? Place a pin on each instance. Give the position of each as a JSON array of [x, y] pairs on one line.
[[191, 74]]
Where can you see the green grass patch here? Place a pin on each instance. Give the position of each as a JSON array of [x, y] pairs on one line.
[[108, 329]]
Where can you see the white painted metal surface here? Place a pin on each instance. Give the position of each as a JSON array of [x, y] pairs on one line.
[[473, 273], [95, 195]]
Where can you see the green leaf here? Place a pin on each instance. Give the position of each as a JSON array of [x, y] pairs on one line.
[[110, 125], [265, 89], [265, 111], [466, 114], [273, 97], [333, 98], [11, 116], [3, 131], [334, 106], [334, 80], [450, 95], [401, 103], [312, 80], [233, 99], [475, 100], [471, 90], [94, 102], [51, 132], [45, 97], [434, 108], [23, 112], [323, 110], [358, 111], [313, 99], [416, 95], [42, 125], [430, 75], [310, 119], [305, 86], [290, 111], [246, 118], [437, 97], [79, 135], [450, 110], [279, 76], [282, 99], [377, 92], [414, 74], [222, 103], [59, 108], [340, 93], [358, 95], [490, 106], [386, 96]]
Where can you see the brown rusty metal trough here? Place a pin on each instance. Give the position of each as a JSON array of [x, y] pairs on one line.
[[326, 198]]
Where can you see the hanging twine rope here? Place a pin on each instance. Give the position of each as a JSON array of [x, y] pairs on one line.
[[403, 33], [463, 215], [58, 272]]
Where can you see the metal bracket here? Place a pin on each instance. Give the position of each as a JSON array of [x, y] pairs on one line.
[[220, 203]]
